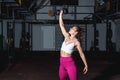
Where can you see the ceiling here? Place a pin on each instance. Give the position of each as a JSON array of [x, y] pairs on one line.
[[18, 9]]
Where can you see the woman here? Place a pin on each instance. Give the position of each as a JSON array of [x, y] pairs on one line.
[[71, 41]]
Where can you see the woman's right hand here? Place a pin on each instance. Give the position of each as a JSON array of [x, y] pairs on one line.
[[61, 11]]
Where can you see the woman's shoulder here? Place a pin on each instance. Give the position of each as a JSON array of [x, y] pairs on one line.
[[77, 42]]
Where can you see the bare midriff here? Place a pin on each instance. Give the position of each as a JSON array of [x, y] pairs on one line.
[[64, 54]]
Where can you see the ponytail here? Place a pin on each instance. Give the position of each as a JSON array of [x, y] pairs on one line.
[[79, 35]]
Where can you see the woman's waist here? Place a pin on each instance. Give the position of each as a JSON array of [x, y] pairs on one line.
[[64, 59], [64, 54]]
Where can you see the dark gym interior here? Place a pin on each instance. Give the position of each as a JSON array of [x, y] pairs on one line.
[[30, 38]]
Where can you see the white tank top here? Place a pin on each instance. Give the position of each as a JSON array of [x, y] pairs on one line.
[[69, 48]]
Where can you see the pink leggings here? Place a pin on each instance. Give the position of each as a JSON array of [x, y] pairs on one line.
[[67, 67]]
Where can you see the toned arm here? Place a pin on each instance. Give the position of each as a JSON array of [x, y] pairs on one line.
[[78, 46], [64, 32]]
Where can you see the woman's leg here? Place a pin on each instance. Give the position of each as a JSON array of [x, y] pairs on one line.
[[62, 73], [72, 71]]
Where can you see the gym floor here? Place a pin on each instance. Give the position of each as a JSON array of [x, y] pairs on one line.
[[45, 65]]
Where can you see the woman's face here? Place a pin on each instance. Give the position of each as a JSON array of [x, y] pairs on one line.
[[73, 30]]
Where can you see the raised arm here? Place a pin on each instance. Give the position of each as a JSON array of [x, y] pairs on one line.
[[82, 57], [64, 32]]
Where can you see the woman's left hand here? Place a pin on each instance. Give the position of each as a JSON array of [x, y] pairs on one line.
[[85, 70]]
